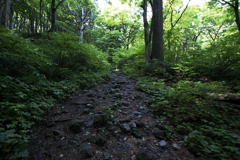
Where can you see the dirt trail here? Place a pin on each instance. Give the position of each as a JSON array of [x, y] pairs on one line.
[[110, 121]]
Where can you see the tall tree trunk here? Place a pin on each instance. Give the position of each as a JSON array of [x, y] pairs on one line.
[[40, 15], [146, 32], [237, 14], [7, 12], [1, 11], [235, 6], [157, 41], [53, 14]]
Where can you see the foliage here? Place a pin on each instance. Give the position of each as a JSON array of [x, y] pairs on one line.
[[209, 126], [35, 77]]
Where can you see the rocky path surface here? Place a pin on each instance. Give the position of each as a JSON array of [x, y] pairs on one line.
[[111, 121]]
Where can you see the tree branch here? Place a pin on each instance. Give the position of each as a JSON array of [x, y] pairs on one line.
[[182, 13], [226, 2], [59, 4]]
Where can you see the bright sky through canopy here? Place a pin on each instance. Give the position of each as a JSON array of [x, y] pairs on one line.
[[103, 3]]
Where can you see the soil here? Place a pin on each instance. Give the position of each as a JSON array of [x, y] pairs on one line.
[[110, 121]]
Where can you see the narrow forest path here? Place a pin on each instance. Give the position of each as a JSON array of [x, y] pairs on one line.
[[110, 121]]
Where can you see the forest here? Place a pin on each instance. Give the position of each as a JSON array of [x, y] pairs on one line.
[[185, 56]]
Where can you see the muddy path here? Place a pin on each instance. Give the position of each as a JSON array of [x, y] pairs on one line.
[[111, 121]]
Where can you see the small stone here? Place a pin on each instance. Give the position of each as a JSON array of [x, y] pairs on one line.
[[132, 124], [136, 133], [101, 141], [175, 146], [136, 113], [142, 156], [92, 139], [128, 119], [89, 105], [100, 119], [159, 134], [162, 143], [87, 153], [65, 111], [91, 95], [89, 123], [125, 127], [83, 146], [76, 126], [162, 127], [140, 124], [58, 133], [63, 119], [86, 111], [134, 157], [125, 138], [139, 116], [51, 124], [141, 107]]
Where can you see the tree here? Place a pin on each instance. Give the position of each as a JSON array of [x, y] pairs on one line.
[[83, 14], [53, 14], [157, 22], [234, 4]]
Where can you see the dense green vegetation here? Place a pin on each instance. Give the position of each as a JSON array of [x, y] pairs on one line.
[[50, 49], [36, 75]]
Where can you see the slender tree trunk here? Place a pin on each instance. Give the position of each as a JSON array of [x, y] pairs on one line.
[[1, 11], [7, 12], [40, 15], [53, 14], [81, 26], [146, 32], [237, 14], [157, 42]]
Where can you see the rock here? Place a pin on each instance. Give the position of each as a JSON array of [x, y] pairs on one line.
[[65, 111], [100, 119], [111, 128], [88, 105], [139, 116], [92, 139], [160, 134], [118, 96], [182, 131], [128, 119], [86, 111], [51, 124], [134, 157], [83, 146], [132, 124], [57, 133], [89, 123], [87, 153], [106, 156], [101, 141], [140, 124], [136, 113], [162, 127], [125, 127], [125, 138], [162, 143], [91, 95], [175, 146], [76, 126], [141, 107], [180, 138], [63, 119], [142, 156], [136, 133]]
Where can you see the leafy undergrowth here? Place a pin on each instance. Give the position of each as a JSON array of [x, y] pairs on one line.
[[23, 104], [211, 128], [35, 76]]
